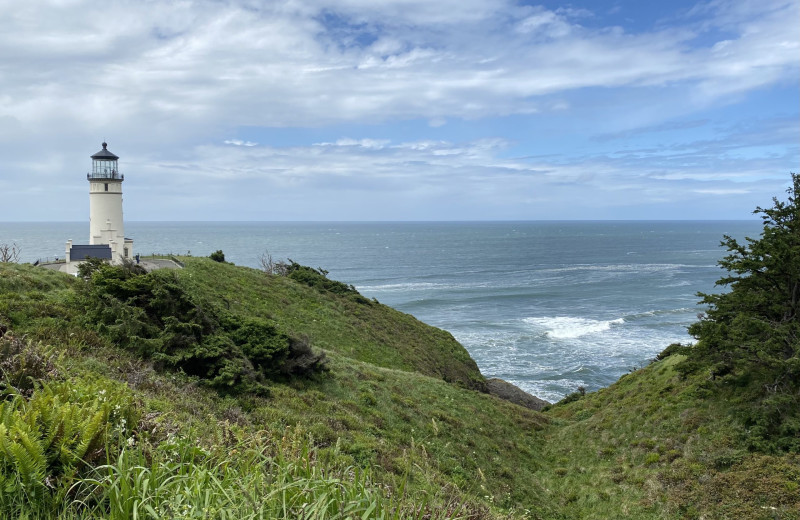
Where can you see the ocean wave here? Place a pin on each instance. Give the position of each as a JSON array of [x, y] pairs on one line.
[[624, 268], [424, 286], [660, 312], [567, 327], [682, 283], [411, 286]]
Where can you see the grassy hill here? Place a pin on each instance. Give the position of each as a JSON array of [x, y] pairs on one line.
[[396, 425], [347, 324]]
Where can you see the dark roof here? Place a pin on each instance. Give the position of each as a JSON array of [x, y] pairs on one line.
[[104, 154], [82, 252]]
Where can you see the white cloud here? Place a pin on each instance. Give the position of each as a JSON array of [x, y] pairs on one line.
[[188, 63], [161, 77], [546, 24], [468, 175], [239, 142], [376, 144], [732, 191]]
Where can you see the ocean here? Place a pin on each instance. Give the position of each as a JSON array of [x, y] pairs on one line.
[[549, 306]]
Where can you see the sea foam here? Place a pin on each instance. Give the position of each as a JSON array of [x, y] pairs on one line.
[[567, 327]]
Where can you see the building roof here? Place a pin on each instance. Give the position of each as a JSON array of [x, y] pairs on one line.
[[104, 154], [82, 252]]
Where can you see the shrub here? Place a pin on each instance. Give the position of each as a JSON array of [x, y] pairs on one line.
[[271, 266], [23, 364], [318, 279], [217, 256], [9, 253], [675, 348], [154, 316]]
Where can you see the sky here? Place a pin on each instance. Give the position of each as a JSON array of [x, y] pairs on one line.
[[398, 110]]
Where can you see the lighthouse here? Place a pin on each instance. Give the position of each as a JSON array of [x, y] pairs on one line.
[[105, 205], [106, 227]]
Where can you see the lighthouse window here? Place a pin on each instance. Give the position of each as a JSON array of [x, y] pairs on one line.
[[106, 186]]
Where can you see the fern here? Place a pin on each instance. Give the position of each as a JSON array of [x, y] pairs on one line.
[[47, 440], [22, 454], [93, 434]]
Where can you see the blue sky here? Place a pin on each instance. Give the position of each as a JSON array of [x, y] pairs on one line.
[[401, 109]]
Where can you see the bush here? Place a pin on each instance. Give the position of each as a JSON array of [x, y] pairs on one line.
[[152, 315], [675, 348], [318, 279], [217, 256], [23, 364]]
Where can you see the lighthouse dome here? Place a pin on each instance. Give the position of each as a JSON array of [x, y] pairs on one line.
[[104, 154]]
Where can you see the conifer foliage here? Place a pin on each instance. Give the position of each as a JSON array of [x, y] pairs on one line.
[[153, 315], [751, 334]]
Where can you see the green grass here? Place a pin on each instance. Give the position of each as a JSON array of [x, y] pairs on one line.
[[396, 429], [370, 332], [654, 445]]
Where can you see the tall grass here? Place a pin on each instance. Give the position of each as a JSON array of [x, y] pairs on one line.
[[182, 481], [68, 451]]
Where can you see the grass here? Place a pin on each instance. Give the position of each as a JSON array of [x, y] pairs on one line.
[[370, 332], [653, 445], [398, 428]]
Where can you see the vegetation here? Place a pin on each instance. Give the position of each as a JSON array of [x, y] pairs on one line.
[[79, 448], [152, 315], [335, 321], [9, 252], [202, 393], [749, 342], [660, 444]]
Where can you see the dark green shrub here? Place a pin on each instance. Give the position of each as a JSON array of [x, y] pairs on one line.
[[675, 348], [302, 359], [154, 316], [217, 256], [318, 279], [574, 396]]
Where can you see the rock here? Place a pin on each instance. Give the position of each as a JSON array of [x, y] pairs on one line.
[[507, 391]]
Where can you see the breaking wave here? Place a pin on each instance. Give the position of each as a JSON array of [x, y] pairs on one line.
[[566, 327]]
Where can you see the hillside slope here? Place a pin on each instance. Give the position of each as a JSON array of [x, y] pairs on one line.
[[657, 444], [348, 324], [384, 405], [397, 425]]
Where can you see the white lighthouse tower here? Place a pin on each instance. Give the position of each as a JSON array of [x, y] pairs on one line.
[[106, 227], [105, 205]]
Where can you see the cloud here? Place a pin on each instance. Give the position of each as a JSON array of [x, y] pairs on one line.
[[239, 142], [667, 126], [384, 180], [363, 143], [545, 24], [733, 191], [176, 76], [185, 63]]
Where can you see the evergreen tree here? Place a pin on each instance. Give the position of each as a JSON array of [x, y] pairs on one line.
[[751, 334]]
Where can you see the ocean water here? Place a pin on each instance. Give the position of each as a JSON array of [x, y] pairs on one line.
[[548, 306]]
